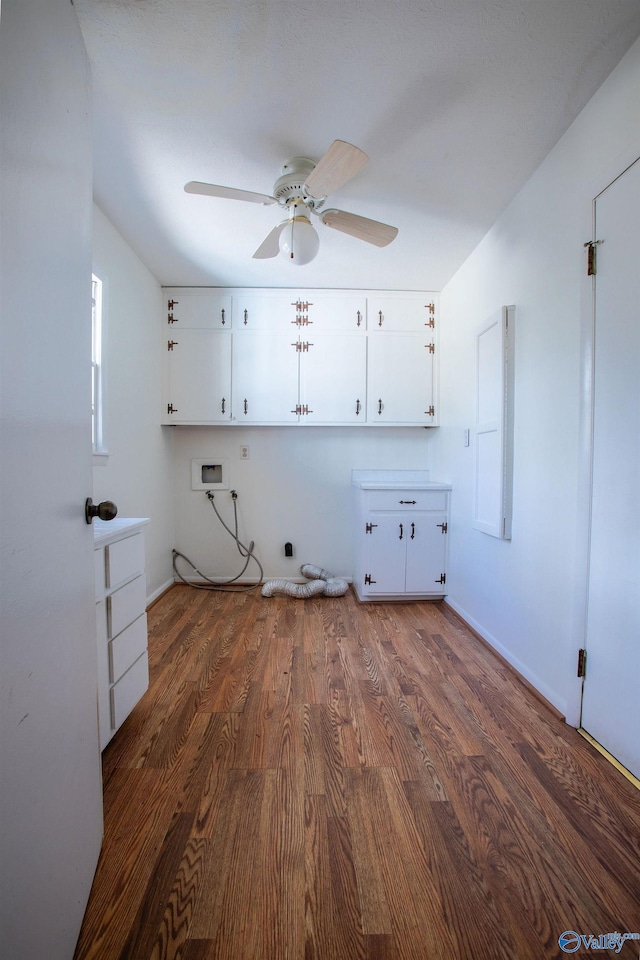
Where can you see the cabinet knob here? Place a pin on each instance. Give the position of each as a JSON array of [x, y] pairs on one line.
[[106, 510]]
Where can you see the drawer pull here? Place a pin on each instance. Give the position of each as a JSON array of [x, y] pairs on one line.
[[401, 532], [413, 531], [408, 501]]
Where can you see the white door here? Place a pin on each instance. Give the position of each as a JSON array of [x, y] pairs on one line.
[[50, 785], [333, 378], [265, 377], [199, 377], [400, 388], [426, 552], [612, 685], [386, 553]]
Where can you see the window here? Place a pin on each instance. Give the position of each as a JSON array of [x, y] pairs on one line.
[[97, 370]]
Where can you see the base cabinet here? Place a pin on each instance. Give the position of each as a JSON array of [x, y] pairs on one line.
[[400, 538], [121, 621]]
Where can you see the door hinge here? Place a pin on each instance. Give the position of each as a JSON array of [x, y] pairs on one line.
[[302, 409], [582, 663], [368, 580], [591, 256], [431, 412], [170, 305], [431, 347], [302, 313], [443, 526], [443, 578], [369, 527], [431, 307], [171, 408], [171, 344], [302, 346]]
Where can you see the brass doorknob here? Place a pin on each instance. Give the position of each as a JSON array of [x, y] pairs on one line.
[[106, 510]]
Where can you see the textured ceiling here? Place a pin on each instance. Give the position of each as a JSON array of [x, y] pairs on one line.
[[456, 102]]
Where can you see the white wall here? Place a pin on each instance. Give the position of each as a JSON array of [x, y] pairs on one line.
[[138, 475], [527, 596], [295, 487]]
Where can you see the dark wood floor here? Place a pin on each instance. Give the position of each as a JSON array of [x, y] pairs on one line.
[[327, 779]]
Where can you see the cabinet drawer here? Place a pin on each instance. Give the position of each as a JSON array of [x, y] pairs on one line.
[[124, 559], [125, 649], [128, 690], [125, 605], [100, 572], [406, 500]]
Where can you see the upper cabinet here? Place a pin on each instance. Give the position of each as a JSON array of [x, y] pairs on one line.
[[323, 310], [197, 308], [299, 357], [401, 313]]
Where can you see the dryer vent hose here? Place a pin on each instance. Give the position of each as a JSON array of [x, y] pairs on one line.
[[320, 582]]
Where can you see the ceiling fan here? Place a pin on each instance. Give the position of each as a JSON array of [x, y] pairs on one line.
[[301, 190]]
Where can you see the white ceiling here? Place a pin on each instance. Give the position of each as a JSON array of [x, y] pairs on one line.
[[456, 102]]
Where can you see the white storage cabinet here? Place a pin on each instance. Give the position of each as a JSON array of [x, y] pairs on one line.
[[328, 357], [401, 535], [121, 621]]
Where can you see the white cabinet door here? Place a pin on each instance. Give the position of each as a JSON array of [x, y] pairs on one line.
[[265, 378], [315, 310], [400, 313], [386, 554], [426, 552], [262, 310], [197, 308], [335, 311], [199, 377], [400, 381], [333, 379]]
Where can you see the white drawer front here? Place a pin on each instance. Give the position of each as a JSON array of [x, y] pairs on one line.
[[126, 605], [128, 690], [407, 500], [125, 559], [127, 647]]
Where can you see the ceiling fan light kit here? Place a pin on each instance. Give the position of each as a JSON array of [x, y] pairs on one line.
[[298, 242], [302, 189]]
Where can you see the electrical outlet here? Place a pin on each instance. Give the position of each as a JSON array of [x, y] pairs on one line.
[[244, 452]]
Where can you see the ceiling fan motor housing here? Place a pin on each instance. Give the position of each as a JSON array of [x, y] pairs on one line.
[[290, 186]]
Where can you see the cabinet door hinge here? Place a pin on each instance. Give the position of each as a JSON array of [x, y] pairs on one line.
[[369, 527], [171, 344], [443, 526], [431, 307], [582, 663], [443, 578], [368, 580], [302, 409], [170, 305], [431, 412], [591, 256], [171, 408], [431, 347]]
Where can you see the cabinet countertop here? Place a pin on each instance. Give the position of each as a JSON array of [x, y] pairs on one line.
[[395, 480], [106, 531]]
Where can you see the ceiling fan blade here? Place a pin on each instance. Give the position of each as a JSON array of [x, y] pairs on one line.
[[226, 193], [341, 162], [270, 246], [372, 231]]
